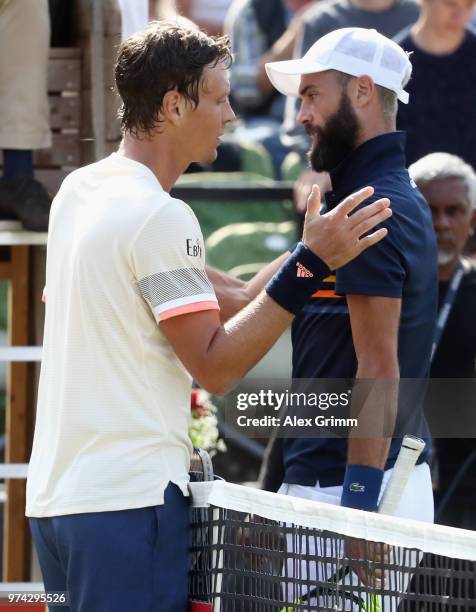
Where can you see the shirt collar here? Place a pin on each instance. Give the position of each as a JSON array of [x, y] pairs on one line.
[[135, 166], [369, 161]]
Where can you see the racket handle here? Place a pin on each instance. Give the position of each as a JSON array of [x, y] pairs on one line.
[[407, 457]]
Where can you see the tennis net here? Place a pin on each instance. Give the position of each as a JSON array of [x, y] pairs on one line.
[[255, 551]]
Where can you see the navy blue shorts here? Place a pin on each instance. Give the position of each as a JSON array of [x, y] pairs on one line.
[[123, 561]]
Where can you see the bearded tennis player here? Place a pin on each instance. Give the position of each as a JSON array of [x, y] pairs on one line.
[[374, 319]]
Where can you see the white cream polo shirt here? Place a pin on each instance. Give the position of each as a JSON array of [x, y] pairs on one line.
[[114, 400]]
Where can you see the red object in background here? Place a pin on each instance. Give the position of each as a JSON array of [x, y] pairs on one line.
[[194, 398], [199, 606], [195, 404]]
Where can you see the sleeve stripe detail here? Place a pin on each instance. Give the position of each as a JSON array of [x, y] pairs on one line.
[[326, 293], [194, 299], [188, 308], [167, 286]]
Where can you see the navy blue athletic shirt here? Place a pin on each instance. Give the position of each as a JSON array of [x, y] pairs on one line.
[[403, 265]]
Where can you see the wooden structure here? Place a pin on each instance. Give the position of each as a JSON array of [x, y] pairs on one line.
[[16, 266], [22, 256], [64, 86]]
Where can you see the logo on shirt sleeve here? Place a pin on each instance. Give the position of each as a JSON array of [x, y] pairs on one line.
[[194, 248]]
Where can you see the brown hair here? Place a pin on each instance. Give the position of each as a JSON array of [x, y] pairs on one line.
[[164, 57]]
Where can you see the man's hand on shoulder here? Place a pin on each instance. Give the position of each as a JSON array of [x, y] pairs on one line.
[[335, 236]]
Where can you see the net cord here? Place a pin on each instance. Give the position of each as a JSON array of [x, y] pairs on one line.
[[395, 531]]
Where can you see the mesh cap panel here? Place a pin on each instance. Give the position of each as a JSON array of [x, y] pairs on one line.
[[351, 46], [392, 60]]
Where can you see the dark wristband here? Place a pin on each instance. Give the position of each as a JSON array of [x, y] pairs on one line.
[[361, 488], [297, 279]]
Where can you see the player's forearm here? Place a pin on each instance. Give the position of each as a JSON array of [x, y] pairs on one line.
[[230, 291], [237, 347], [374, 405], [254, 286], [233, 349], [233, 294], [372, 452]]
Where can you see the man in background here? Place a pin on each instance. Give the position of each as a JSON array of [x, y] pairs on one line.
[[441, 115], [449, 186]]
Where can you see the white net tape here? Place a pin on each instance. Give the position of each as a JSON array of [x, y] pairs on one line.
[[435, 539]]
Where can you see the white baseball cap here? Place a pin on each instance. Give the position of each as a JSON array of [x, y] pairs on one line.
[[354, 51]]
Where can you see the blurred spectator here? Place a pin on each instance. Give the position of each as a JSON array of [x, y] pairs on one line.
[[209, 15], [24, 109], [136, 14], [386, 16], [261, 31], [449, 186], [441, 114]]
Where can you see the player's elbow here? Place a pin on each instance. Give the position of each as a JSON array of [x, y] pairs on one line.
[[216, 383]]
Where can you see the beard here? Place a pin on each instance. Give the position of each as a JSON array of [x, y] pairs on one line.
[[336, 140], [448, 254], [445, 257]]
